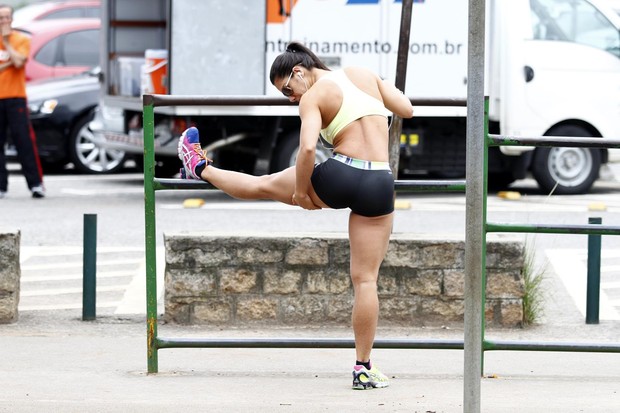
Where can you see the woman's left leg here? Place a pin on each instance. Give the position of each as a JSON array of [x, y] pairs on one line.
[[368, 238], [279, 186]]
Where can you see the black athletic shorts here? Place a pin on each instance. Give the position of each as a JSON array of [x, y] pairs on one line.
[[365, 187]]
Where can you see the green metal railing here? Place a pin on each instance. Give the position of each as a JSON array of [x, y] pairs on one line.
[[591, 229], [472, 373], [153, 184]]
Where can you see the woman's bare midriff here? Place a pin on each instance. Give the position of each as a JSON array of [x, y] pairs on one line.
[[365, 138]]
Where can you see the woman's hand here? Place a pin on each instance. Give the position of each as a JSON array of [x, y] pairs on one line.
[[304, 201]]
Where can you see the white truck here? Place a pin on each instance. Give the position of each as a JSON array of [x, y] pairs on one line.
[[553, 68]]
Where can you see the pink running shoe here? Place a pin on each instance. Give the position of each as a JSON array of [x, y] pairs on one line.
[[191, 154]]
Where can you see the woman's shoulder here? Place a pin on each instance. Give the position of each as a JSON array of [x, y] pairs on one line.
[[361, 75], [325, 89], [359, 71]]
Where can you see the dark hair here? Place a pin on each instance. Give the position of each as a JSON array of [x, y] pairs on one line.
[[296, 54]]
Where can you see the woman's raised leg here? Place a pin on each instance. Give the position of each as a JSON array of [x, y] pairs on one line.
[[278, 186]]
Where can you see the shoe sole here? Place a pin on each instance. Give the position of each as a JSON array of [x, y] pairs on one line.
[[369, 386], [359, 385], [183, 171], [180, 145]]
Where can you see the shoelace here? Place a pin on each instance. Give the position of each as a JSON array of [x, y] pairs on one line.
[[201, 153], [198, 149]]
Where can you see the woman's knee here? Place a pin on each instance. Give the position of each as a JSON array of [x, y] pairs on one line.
[[364, 283], [271, 187], [278, 186], [264, 186]]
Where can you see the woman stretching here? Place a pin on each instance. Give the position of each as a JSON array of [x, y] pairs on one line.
[[349, 108]]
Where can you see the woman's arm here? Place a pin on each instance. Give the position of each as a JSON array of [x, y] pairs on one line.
[[394, 99], [310, 128]]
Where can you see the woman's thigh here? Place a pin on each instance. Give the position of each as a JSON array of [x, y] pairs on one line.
[[369, 238], [278, 186]]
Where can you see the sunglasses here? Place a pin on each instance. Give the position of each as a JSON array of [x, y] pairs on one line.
[[286, 90]]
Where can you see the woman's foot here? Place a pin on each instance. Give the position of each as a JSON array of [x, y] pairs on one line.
[[364, 378], [191, 154]]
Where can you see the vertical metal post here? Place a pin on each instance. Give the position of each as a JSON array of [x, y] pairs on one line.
[[150, 233], [89, 270], [474, 225], [483, 254], [400, 82], [593, 291]]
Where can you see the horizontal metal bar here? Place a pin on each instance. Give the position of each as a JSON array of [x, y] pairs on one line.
[[402, 185], [399, 185], [169, 183], [201, 100], [490, 345], [253, 100], [565, 141], [162, 342], [439, 102], [428, 344], [554, 229]]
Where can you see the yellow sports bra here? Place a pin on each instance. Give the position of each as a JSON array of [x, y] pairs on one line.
[[355, 104]]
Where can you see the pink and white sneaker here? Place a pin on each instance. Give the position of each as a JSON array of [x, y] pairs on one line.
[[191, 154]]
